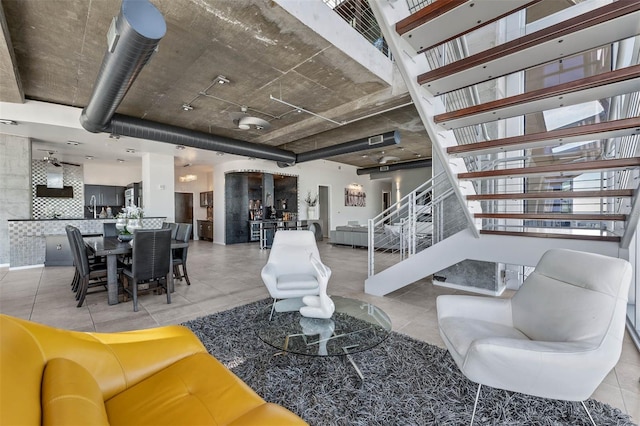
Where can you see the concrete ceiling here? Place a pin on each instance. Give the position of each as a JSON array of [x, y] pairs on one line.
[[56, 48]]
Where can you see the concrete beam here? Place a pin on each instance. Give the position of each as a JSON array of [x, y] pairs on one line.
[[10, 84]]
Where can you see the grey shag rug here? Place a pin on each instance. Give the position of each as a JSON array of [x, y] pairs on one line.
[[407, 382]]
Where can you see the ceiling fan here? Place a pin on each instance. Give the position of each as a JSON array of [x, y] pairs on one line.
[[387, 158], [50, 159]]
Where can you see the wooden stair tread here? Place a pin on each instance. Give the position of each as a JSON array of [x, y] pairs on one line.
[[605, 130], [553, 216], [553, 195], [601, 15], [618, 163], [599, 80], [611, 238], [416, 28]]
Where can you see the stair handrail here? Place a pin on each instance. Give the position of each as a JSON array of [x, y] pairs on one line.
[[416, 203]]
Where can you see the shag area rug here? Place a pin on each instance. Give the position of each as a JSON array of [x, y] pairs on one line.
[[407, 382]]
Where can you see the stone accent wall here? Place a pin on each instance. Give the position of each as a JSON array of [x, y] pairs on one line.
[[27, 238], [15, 186]]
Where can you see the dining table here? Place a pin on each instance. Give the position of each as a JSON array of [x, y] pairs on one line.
[[111, 248]]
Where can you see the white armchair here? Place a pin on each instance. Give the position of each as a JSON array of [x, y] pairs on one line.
[[557, 337], [289, 273]]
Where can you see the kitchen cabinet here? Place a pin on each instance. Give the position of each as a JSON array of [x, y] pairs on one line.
[[106, 195], [206, 199], [205, 230]]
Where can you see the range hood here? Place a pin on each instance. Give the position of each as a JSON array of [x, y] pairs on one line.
[[54, 176]]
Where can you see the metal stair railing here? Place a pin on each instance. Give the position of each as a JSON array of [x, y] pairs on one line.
[[408, 226], [358, 14]]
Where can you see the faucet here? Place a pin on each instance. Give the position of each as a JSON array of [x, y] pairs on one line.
[[95, 210]]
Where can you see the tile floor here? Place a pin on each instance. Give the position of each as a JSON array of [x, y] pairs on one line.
[[223, 277]]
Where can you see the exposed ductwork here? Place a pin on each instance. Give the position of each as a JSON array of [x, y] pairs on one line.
[[144, 129], [393, 167], [133, 37], [386, 139]]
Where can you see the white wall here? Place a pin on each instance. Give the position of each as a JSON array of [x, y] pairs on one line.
[[404, 181], [112, 174], [158, 186], [336, 176]]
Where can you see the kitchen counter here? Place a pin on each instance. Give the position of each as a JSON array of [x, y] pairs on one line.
[[27, 237], [264, 229]]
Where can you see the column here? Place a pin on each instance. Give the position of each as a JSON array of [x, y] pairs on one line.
[[158, 186]]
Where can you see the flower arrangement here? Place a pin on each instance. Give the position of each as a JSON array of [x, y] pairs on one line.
[[128, 220], [131, 212], [311, 201]]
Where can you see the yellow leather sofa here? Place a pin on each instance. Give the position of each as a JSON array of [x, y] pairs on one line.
[[154, 377]]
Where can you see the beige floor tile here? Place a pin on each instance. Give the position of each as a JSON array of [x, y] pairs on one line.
[[628, 377], [632, 404]]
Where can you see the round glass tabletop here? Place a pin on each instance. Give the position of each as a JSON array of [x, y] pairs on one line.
[[355, 326]]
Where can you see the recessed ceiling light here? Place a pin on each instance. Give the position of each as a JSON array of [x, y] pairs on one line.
[[114, 136], [180, 147], [74, 143], [120, 160], [220, 154], [89, 157], [9, 122], [131, 151]]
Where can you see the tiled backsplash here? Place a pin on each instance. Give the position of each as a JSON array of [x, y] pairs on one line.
[[46, 207]]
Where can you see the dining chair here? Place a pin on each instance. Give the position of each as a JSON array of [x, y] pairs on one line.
[[150, 262], [109, 229], [87, 273], [172, 226], [72, 246], [180, 254]]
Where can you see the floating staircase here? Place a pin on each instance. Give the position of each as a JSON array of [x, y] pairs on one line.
[[536, 126]]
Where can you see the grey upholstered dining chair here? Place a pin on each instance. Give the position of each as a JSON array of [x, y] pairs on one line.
[[180, 254], [172, 226], [86, 273], [150, 261], [109, 229]]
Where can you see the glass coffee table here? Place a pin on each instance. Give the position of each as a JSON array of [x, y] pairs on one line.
[[355, 326]]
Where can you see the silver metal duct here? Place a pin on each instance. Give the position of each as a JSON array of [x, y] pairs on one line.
[[393, 167], [137, 128], [386, 139], [133, 37]]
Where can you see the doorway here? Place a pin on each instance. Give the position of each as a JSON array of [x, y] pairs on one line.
[[386, 200], [184, 209], [323, 199]]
